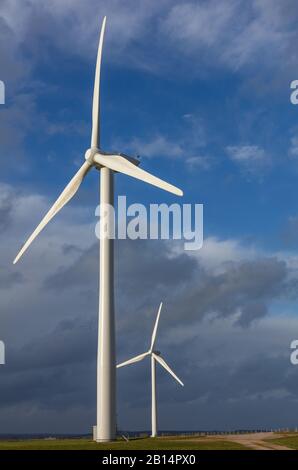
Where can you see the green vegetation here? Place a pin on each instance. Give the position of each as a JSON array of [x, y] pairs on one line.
[[136, 444], [290, 440]]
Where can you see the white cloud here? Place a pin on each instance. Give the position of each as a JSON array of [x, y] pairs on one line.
[[186, 144], [26, 212], [252, 159], [73, 25], [246, 153], [158, 146], [230, 32], [201, 161], [199, 23], [233, 32], [215, 253]]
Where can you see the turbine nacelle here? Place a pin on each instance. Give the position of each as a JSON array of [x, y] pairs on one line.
[[96, 157], [157, 353]]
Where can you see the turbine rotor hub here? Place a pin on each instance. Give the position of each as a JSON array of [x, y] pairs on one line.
[[89, 154]]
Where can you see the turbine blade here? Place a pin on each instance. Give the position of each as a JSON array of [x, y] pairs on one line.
[[134, 359], [155, 328], [63, 199], [122, 165], [165, 365], [95, 138]]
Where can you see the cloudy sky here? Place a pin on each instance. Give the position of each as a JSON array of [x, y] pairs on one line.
[[201, 90]]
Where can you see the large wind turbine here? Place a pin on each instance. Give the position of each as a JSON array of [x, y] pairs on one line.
[[155, 357], [107, 163]]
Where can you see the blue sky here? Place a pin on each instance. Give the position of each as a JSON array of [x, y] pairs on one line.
[[201, 91], [220, 128]]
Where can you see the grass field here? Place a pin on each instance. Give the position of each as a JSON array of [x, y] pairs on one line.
[[289, 441], [136, 444]]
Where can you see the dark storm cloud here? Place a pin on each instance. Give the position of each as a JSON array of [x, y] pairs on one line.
[[83, 272], [9, 278], [139, 264], [72, 341], [49, 369], [152, 264], [50, 388], [262, 377], [233, 393], [152, 271], [252, 311], [243, 287], [56, 371], [70, 248], [6, 206], [14, 126], [258, 376]]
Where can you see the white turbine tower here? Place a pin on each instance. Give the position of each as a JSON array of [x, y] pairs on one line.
[[107, 163], [155, 357]]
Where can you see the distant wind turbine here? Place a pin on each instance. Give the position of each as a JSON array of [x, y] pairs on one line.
[[155, 357], [107, 163]]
